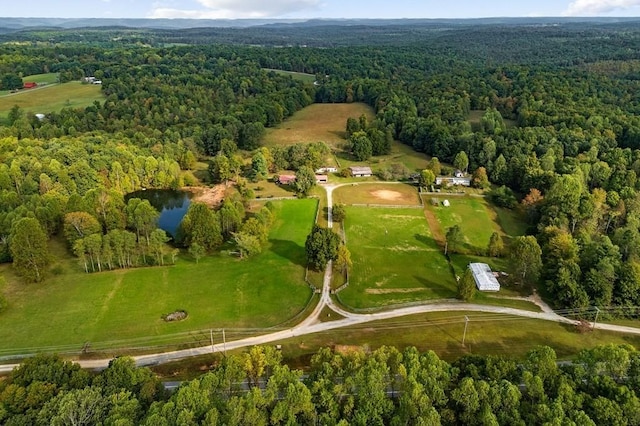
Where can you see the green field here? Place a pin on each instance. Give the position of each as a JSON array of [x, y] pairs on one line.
[[317, 123], [395, 258], [473, 216], [51, 98], [442, 332], [48, 78], [220, 291], [304, 77]]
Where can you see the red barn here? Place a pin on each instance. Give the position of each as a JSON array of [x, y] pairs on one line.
[[29, 85]]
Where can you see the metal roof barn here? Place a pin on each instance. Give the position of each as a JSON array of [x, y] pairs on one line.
[[484, 278]]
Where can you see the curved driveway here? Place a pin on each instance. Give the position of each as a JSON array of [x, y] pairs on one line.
[[312, 324]]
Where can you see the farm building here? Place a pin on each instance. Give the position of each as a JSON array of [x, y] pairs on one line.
[[458, 174], [286, 179], [322, 178], [358, 171], [484, 278], [29, 85], [448, 180], [323, 170]]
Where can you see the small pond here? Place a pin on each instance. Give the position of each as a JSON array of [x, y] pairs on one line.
[[172, 205]]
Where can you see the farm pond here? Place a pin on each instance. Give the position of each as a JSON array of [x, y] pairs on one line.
[[172, 205]]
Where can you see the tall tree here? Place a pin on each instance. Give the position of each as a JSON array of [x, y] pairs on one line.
[[461, 161], [466, 286], [526, 257], [321, 246], [496, 246], [28, 246], [305, 180], [454, 239]]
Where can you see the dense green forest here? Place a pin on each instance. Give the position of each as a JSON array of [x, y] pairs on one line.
[[559, 133], [384, 387]]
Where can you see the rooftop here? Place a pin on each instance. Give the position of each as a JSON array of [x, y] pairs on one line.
[[484, 278]]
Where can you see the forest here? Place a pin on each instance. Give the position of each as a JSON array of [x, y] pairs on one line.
[[383, 387], [559, 134]]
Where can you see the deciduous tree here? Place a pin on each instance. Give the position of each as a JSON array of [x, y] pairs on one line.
[[28, 246]]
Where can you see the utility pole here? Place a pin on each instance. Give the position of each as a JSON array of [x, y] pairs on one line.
[[595, 321], [211, 334], [224, 342], [466, 323]]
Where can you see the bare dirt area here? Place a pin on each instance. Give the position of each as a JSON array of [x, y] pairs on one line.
[[393, 290], [385, 194], [211, 196]]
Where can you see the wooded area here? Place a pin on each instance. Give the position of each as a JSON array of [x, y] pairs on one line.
[[383, 387]]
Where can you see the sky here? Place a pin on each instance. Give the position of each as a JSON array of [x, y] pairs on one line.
[[305, 9]]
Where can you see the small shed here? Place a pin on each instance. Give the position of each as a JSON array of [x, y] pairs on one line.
[[446, 203], [360, 171], [484, 278], [30, 85], [322, 178], [286, 179]]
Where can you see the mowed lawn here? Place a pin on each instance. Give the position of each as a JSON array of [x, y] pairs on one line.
[[395, 258], [51, 98], [220, 291], [473, 216], [317, 123]]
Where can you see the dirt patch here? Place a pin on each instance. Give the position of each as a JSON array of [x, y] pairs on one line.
[[434, 225], [211, 196], [385, 194], [393, 290]]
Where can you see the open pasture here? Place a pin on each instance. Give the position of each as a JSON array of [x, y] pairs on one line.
[[472, 214], [51, 98], [301, 76], [377, 193], [317, 123], [395, 258], [73, 308]]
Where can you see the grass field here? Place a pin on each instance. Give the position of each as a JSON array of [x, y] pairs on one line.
[[476, 220], [48, 78], [442, 332], [304, 77], [377, 193], [51, 98], [317, 123], [220, 291], [395, 258]]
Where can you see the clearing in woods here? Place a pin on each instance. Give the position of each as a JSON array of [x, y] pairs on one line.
[[317, 123]]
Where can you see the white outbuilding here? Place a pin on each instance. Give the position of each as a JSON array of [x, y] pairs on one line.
[[484, 277]]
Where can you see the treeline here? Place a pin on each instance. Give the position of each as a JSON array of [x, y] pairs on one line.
[[384, 387], [558, 132]]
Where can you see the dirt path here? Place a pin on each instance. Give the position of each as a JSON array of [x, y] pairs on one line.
[[434, 225]]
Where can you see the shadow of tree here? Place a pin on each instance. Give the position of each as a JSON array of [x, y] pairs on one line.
[[289, 250], [439, 290]]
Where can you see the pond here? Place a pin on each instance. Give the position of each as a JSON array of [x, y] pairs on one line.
[[172, 205]]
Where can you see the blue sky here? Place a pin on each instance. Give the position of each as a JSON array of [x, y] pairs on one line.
[[233, 9]]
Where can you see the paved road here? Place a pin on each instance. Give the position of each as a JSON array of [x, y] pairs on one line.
[[312, 324]]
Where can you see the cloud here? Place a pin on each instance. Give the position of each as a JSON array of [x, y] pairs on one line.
[[599, 7], [234, 9]]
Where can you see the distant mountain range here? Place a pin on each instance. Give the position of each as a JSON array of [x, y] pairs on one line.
[[17, 24]]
